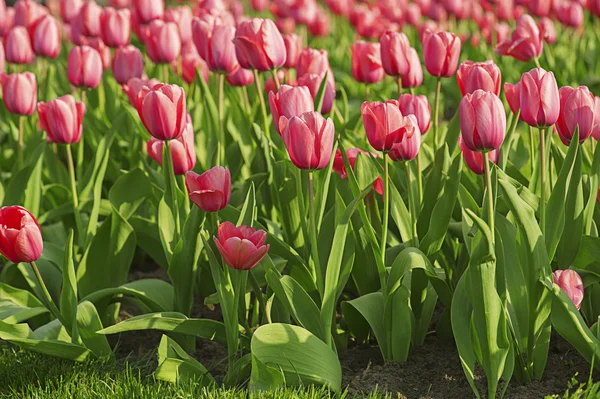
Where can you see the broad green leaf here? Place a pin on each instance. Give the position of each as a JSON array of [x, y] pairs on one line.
[[88, 323], [68, 296], [265, 378], [18, 305], [367, 313], [174, 365], [156, 294]]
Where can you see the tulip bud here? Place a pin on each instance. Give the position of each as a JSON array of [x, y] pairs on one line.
[[242, 247], [190, 63], [86, 24], [128, 63], [366, 62], [211, 190], [417, 106], [570, 14], [414, 76], [474, 159], [97, 44], [288, 102], [577, 110], [162, 110], [441, 52], [313, 82], [115, 27], [482, 121], [62, 119], [394, 53], [384, 124], [571, 283], [183, 152], [84, 67], [409, 147], [548, 30], [485, 76], [259, 45], [240, 77], [69, 9], [20, 235], [293, 48], [308, 139], [214, 43], [148, 10], [513, 96], [47, 37], [28, 13], [311, 61], [135, 85], [182, 17], [162, 41], [525, 42], [19, 93], [18, 46], [539, 99]]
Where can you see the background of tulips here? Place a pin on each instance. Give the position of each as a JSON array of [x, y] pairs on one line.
[[232, 164]]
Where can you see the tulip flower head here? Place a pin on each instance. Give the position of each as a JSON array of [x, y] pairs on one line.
[[19, 93], [259, 45], [571, 283], [394, 53], [525, 42], [162, 110], [211, 190], [240, 77], [148, 10], [182, 17], [20, 235], [135, 85], [313, 82], [17, 45], [62, 119], [293, 48], [472, 76], [414, 76], [115, 27], [241, 247], [288, 102], [539, 98], [312, 61], [183, 152], [163, 43], [190, 64], [441, 52], [308, 139], [409, 147], [474, 159], [366, 62], [47, 37], [384, 124], [213, 40], [577, 110], [513, 96], [128, 63], [417, 106], [84, 67], [482, 121]]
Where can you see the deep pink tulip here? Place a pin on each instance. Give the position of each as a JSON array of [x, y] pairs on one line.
[[417, 106], [18, 49], [135, 85], [394, 53], [577, 109], [97, 44], [313, 82], [312, 61], [413, 14], [162, 41], [340, 7], [19, 92], [214, 43], [513, 96], [241, 247], [548, 30], [414, 76], [84, 67], [571, 283], [28, 13], [148, 10], [539, 8], [162, 110], [289, 102], [47, 37], [482, 121], [570, 14], [115, 27], [596, 130], [539, 99], [474, 159], [182, 17], [339, 166], [69, 9], [308, 139], [62, 119], [86, 24], [320, 25], [384, 124], [128, 63], [293, 48], [240, 77], [20, 235], [441, 52], [472, 76], [259, 5], [190, 65], [2, 58], [183, 152], [211, 190], [525, 42], [285, 25], [409, 147], [259, 45], [366, 62]]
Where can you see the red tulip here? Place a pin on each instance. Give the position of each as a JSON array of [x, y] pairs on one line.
[[313, 82], [526, 41], [162, 41], [414, 76], [86, 24], [182, 17], [28, 13], [148, 10], [47, 37], [539, 99], [472, 76], [394, 53], [115, 27], [162, 110], [18, 46], [240, 77], [84, 67], [474, 159], [308, 139], [190, 64], [366, 62], [293, 48], [577, 110], [513, 96], [259, 45], [417, 106], [214, 43], [62, 119], [19, 92], [384, 124], [482, 121], [69, 9], [289, 102], [241, 247], [441, 52], [183, 152], [409, 147], [135, 85], [128, 63], [211, 190], [548, 30], [312, 61], [571, 283], [20, 235]]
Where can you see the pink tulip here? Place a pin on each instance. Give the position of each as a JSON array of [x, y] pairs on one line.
[[84, 67], [413, 14], [214, 43], [482, 121], [148, 10], [20, 235], [183, 152], [28, 13], [18, 46], [308, 139], [289, 102], [320, 25], [408, 148], [474, 159], [577, 110], [259, 5], [47, 37], [472, 76], [190, 64], [417, 106], [570, 14], [240, 77], [62, 119], [384, 124], [241, 247], [162, 110], [86, 24], [211, 190], [539, 99], [259, 45], [414, 76], [97, 44], [596, 130], [571, 283], [312, 61], [115, 27], [366, 62], [69, 9], [548, 30], [163, 43], [182, 17], [128, 63], [513, 96], [526, 41], [394, 53], [293, 48], [539, 8], [19, 92], [441, 52], [313, 82], [285, 25], [135, 85]]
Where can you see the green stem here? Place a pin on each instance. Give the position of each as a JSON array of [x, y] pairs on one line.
[[314, 236], [367, 92], [260, 298], [302, 209], [419, 179], [537, 62], [222, 144], [47, 298], [81, 145], [172, 186], [263, 106], [490, 194], [78, 222], [275, 78], [165, 73], [531, 150], [21, 143], [436, 111], [399, 82], [247, 106], [542, 181], [386, 209], [411, 202]]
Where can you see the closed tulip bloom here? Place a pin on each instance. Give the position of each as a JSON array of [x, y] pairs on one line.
[[148, 10], [162, 41], [312, 61], [28, 13], [62, 119], [69, 9], [241, 247], [394, 53], [183, 152], [115, 27], [366, 62], [339, 166], [414, 76], [313, 82], [128, 63], [18, 49], [539, 8], [47, 37], [288, 102], [320, 25], [472, 76], [384, 124], [135, 85], [539, 99], [596, 130], [97, 44], [525, 42], [259, 45], [570, 14], [19, 92], [190, 64], [211, 190], [482, 121], [308, 139], [20, 235], [240, 77], [417, 106], [86, 24], [84, 67], [293, 48], [162, 110], [513, 96], [259, 5], [214, 43], [474, 159], [548, 30], [182, 17], [408, 148], [441, 52], [571, 283], [577, 110]]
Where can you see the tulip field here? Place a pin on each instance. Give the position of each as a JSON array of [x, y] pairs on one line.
[[338, 198]]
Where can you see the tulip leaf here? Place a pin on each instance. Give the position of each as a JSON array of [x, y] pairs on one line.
[[265, 378], [433, 189], [68, 298], [364, 312], [594, 179], [321, 93], [147, 232], [19, 183], [88, 323], [175, 365], [248, 212], [400, 214], [156, 295], [129, 192], [18, 305]]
